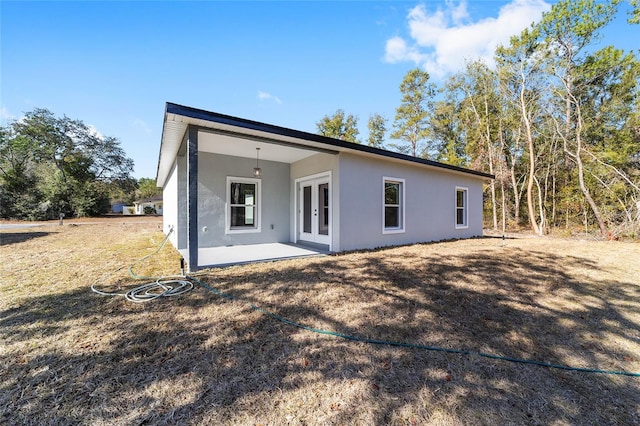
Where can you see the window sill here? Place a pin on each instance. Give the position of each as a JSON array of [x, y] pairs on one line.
[[462, 226], [393, 231], [242, 231]]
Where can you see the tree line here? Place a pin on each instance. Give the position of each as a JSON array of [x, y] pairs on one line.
[[555, 120], [53, 165]]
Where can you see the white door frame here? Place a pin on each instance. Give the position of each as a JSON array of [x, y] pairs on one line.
[[315, 180]]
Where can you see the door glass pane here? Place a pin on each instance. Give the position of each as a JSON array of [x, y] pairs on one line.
[[306, 209], [323, 207]]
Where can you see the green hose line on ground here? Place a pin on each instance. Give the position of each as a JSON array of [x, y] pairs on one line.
[[410, 345], [174, 286]]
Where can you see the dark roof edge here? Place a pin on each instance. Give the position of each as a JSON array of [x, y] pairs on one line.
[[172, 108]]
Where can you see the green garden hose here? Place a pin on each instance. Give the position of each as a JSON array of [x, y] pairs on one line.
[[169, 286], [410, 345], [159, 287]]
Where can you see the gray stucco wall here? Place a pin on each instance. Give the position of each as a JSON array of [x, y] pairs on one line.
[[429, 203], [213, 170], [357, 194], [317, 163], [181, 161]]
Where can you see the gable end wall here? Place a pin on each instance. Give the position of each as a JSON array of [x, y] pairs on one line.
[[429, 203]]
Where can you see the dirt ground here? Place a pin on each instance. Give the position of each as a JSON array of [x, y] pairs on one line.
[[71, 356]]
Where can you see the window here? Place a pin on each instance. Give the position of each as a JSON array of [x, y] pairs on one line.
[[461, 208], [243, 205], [393, 206]]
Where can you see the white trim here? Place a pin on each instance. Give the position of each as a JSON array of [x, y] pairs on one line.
[[465, 225], [402, 228], [315, 176], [227, 206], [297, 206]]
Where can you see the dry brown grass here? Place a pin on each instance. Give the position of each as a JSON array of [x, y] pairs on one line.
[[69, 356]]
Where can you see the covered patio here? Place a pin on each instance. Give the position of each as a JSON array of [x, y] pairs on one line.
[[216, 257], [238, 194]]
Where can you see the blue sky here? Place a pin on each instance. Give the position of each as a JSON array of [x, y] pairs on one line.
[[115, 64]]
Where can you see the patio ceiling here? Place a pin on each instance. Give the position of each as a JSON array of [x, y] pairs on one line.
[[225, 138], [242, 147]]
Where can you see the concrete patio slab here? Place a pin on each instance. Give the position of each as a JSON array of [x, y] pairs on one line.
[[234, 255]]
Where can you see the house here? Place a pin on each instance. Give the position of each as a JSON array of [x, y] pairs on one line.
[[151, 205], [118, 206], [232, 182]]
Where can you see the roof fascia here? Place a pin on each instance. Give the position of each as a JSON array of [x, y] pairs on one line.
[[172, 108]]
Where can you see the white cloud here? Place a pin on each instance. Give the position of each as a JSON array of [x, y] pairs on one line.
[[142, 125], [93, 131], [5, 115], [459, 13], [442, 40], [398, 51], [264, 96]]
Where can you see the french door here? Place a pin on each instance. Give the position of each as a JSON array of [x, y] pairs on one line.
[[314, 209]]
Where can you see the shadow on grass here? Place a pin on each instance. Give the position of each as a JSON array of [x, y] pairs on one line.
[[201, 358], [7, 238]]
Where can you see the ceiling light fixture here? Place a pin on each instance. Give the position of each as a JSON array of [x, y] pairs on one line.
[[257, 171]]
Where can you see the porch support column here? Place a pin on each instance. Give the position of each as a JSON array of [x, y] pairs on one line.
[[192, 197]]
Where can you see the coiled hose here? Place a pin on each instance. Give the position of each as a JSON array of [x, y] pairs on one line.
[[167, 286]]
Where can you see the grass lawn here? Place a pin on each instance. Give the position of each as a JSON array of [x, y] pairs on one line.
[[70, 356]]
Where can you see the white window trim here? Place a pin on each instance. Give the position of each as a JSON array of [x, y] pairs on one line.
[[401, 229], [466, 207], [227, 209]]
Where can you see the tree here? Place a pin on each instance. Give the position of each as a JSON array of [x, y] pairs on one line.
[[339, 126], [448, 131], [568, 130], [123, 190], [65, 163], [520, 71], [607, 82], [567, 30], [634, 13], [18, 192], [480, 110], [377, 130], [411, 122], [147, 188]]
